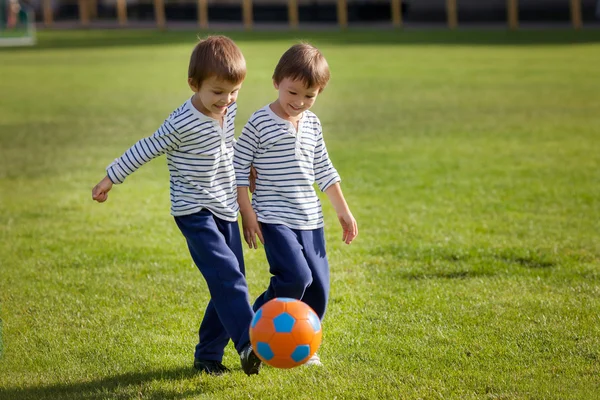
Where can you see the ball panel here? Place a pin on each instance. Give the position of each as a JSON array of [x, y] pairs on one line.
[[263, 351], [282, 344], [272, 308], [257, 316], [285, 299], [303, 332], [284, 322], [282, 362], [301, 353], [263, 331], [316, 342], [298, 309], [314, 321]]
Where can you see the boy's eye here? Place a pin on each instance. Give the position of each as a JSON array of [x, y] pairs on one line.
[[292, 93], [310, 96], [217, 92]]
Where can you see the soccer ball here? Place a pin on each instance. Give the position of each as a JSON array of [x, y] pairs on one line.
[[285, 332]]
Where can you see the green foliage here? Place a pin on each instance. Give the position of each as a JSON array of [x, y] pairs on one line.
[[470, 160]]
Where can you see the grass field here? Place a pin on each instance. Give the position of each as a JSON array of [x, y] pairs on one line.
[[471, 161]]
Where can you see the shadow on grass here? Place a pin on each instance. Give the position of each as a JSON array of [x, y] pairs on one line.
[[438, 262], [119, 38], [450, 275], [106, 387], [453, 255], [528, 260]]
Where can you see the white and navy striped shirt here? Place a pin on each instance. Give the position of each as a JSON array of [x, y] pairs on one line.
[[287, 164], [199, 156]]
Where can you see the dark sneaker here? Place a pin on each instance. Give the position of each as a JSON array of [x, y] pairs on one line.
[[250, 361], [210, 367]]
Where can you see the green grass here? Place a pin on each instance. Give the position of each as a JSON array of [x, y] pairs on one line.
[[14, 33], [470, 160]]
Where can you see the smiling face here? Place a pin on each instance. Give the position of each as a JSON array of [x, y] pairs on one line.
[[294, 98], [214, 96]]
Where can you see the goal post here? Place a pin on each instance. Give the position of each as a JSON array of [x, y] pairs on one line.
[[17, 24]]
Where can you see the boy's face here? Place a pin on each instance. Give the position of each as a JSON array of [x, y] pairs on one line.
[[295, 97], [214, 96]]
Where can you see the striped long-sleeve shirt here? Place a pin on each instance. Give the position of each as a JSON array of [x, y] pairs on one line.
[[288, 163], [199, 156]]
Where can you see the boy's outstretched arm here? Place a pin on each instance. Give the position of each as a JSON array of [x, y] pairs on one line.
[[100, 191], [166, 138], [250, 224], [349, 226]]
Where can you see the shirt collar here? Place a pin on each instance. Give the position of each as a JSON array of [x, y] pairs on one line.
[[201, 116], [280, 120]]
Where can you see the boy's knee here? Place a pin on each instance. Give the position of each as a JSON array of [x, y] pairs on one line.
[[301, 280], [230, 276]]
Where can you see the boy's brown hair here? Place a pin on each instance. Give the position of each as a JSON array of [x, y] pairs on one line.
[[303, 62], [216, 56]]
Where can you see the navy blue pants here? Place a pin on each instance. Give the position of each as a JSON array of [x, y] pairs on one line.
[[216, 248], [298, 263]]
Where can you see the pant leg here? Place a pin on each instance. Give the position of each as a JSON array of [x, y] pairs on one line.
[[317, 294], [209, 240], [212, 336], [287, 263]]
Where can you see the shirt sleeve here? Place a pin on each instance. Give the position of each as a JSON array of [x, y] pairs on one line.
[[165, 139], [244, 150], [325, 173]]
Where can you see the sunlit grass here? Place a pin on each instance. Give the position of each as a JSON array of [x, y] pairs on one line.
[[469, 159]]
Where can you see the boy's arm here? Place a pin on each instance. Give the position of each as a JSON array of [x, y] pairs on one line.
[[243, 153], [244, 149], [166, 138], [328, 180], [250, 225], [325, 173], [349, 226], [100, 191]]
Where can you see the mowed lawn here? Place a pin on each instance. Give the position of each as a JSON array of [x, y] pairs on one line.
[[471, 161]]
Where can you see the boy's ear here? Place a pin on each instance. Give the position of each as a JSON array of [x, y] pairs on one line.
[[192, 85], [275, 85]]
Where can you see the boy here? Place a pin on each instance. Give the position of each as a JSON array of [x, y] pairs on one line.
[[198, 141], [284, 142]]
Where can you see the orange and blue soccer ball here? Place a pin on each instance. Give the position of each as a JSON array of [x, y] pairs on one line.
[[285, 332]]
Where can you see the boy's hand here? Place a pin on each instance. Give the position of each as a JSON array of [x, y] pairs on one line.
[[349, 226], [252, 179], [251, 229], [100, 191]]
